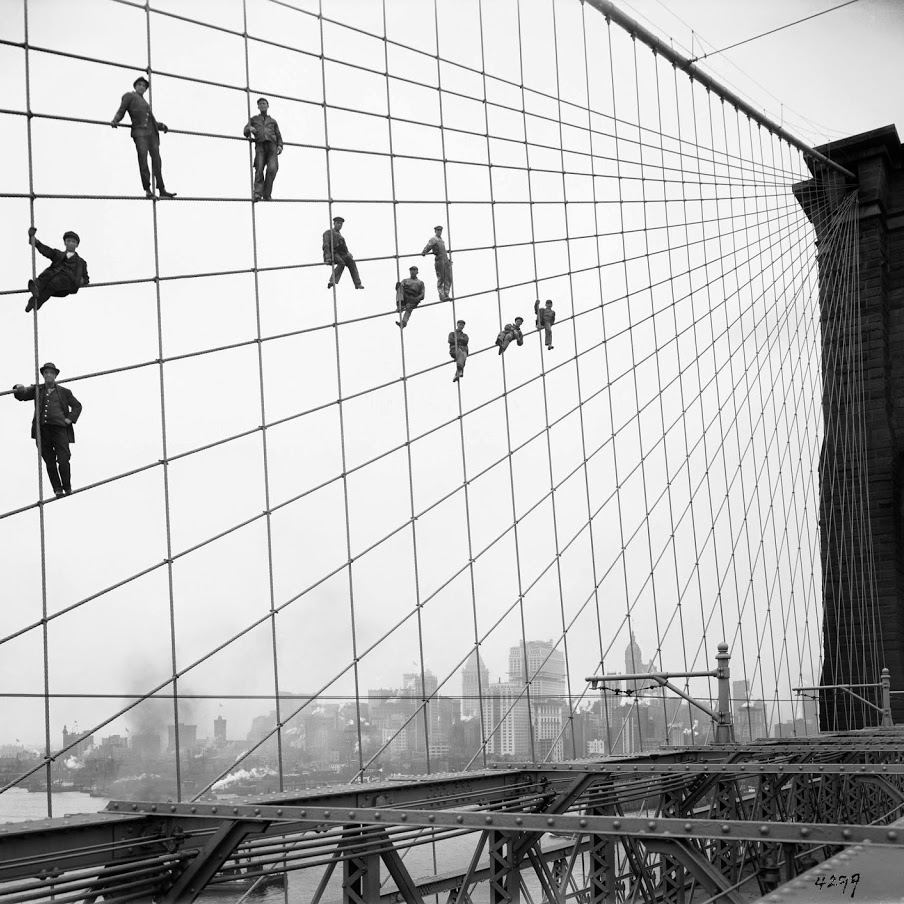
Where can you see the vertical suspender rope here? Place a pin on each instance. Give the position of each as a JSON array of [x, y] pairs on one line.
[[552, 482], [692, 735], [413, 514], [530, 207], [635, 666], [599, 277], [42, 534], [684, 409], [778, 542], [165, 464], [505, 395], [348, 535], [640, 439], [264, 440], [745, 366], [759, 508], [461, 428], [790, 592]]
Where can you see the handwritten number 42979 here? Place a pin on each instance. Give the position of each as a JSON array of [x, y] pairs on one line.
[[838, 882]]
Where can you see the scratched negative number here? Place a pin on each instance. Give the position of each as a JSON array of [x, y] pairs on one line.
[[839, 882]]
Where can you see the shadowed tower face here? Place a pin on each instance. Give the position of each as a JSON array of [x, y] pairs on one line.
[[860, 239]]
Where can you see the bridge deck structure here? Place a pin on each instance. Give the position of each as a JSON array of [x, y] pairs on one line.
[[776, 820]]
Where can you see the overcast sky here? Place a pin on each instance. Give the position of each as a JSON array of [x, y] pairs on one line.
[[723, 364]]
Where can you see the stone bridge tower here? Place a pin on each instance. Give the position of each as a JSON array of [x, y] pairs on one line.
[[862, 459]]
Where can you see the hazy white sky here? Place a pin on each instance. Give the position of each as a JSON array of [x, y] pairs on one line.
[[746, 315]]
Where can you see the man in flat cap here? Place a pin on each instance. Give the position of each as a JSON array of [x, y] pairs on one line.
[[146, 135], [66, 274], [442, 263], [337, 255], [409, 294], [546, 317], [56, 410], [511, 332], [458, 349], [263, 130]]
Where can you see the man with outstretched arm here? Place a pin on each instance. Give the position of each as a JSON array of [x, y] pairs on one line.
[[58, 409], [263, 130], [409, 294], [337, 255], [458, 349], [546, 317], [146, 135], [66, 274]]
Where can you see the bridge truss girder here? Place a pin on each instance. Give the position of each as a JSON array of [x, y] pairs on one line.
[[674, 826]]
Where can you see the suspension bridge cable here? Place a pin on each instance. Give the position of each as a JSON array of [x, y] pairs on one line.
[[772, 31], [719, 408]]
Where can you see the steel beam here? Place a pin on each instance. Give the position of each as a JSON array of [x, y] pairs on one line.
[[611, 11], [515, 822], [706, 873], [210, 859]]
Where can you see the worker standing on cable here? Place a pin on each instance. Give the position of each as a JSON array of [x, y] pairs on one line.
[[337, 255], [66, 274], [146, 135], [441, 261], [458, 349], [546, 317], [58, 409], [263, 130], [409, 294], [511, 332]]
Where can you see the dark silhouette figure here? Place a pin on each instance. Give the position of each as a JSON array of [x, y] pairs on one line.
[[409, 294], [441, 262], [65, 276], [146, 135], [546, 317], [458, 349], [511, 332], [263, 130], [57, 409], [337, 255]]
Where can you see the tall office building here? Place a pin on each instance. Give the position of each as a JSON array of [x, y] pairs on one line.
[[545, 668], [475, 682]]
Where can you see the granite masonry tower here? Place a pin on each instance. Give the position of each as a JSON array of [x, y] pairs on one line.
[[862, 458]]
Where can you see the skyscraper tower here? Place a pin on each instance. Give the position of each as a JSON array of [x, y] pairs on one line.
[[475, 679], [634, 663]]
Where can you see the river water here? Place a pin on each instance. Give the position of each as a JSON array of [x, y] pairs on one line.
[[422, 861]]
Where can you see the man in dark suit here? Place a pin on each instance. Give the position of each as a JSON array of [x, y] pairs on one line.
[[146, 135], [66, 274], [337, 255], [56, 410]]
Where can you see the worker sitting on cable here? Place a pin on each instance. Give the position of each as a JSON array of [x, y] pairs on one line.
[[441, 261], [509, 333], [146, 135], [546, 317], [458, 349], [263, 130], [409, 294], [58, 409], [65, 276], [337, 255]]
